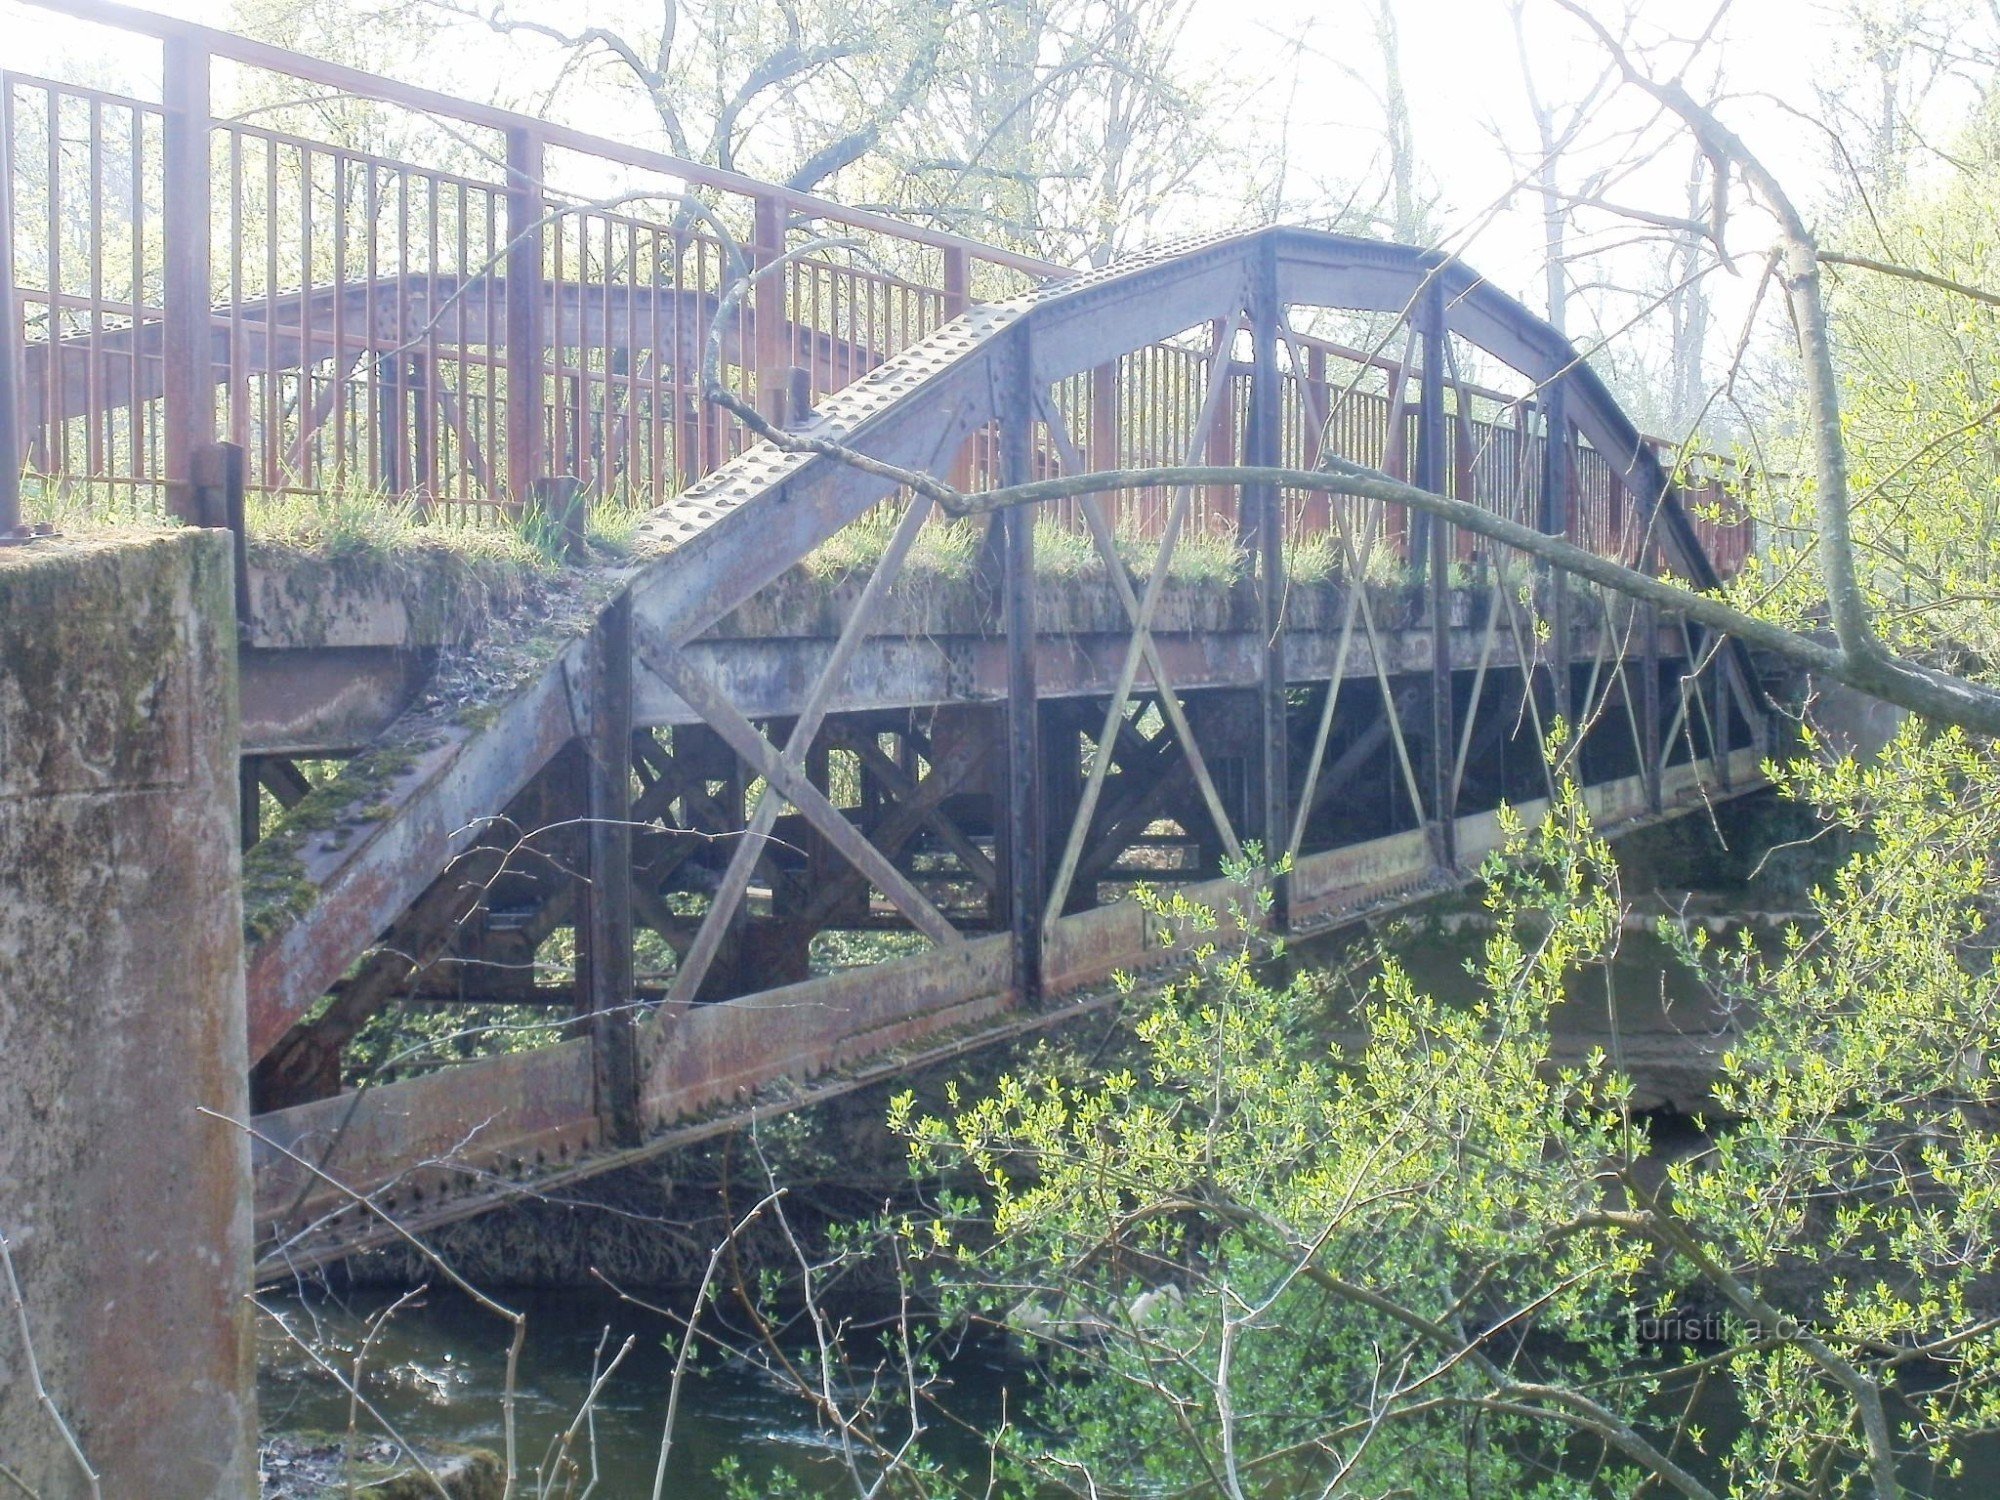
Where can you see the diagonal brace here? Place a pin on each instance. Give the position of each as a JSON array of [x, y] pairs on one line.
[[1114, 567], [743, 860], [1218, 384], [792, 783]]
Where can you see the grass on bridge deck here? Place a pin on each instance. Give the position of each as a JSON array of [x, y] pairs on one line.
[[361, 526]]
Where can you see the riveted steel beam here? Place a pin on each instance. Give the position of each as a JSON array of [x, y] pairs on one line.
[[1022, 846], [604, 983]]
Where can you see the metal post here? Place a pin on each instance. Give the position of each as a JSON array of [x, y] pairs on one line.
[[1556, 466], [1263, 514], [957, 280], [217, 475], [390, 438], [1435, 559], [1221, 438], [604, 986], [187, 358], [1103, 438], [1025, 874], [526, 337], [1315, 397], [957, 300], [772, 357], [11, 529]]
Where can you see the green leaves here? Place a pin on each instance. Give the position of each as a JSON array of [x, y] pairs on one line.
[[1245, 1251]]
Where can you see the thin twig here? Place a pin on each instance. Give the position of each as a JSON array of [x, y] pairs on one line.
[[42, 1396], [518, 1321]]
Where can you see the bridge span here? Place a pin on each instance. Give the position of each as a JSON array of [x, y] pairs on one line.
[[650, 802]]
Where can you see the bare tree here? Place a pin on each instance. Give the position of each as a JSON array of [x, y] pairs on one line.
[[1066, 127], [797, 92], [1858, 655], [1399, 136]]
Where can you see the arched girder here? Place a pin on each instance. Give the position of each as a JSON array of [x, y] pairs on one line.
[[1075, 326]]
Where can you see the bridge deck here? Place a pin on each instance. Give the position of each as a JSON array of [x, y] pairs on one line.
[[327, 671]]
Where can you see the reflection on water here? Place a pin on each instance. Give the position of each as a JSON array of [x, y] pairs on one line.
[[437, 1371]]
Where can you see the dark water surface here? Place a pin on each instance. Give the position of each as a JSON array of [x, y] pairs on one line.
[[437, 1370]]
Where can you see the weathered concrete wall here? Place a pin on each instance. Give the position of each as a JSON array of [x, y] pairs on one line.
[[121, 1011]]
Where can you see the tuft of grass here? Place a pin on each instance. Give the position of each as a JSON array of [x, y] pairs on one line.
[[1065, 552], [1319, 559], [85, 507], [345, 524], [942, 547], [614, 523], [363, 523], [1062, 551], [350, 521], [1315, 559]]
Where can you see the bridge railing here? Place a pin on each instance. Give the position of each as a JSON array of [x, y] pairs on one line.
[[1363, 406], [532, 302]]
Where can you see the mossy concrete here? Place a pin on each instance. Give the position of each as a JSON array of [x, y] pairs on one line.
[[428, 597], [121, 1016], [413, 597]]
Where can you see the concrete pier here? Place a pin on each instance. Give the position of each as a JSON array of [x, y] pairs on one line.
[[121, 1009]]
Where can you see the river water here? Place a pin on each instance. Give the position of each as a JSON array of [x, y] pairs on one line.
[[438, 1373], [437, 1370]]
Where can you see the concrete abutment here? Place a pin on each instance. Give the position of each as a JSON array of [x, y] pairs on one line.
[[121, 1018]]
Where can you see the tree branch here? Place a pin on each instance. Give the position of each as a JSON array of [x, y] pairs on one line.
[[1935, 695], [1801, 279], [1910, 273]]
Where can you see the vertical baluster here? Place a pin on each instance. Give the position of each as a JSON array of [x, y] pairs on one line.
[[341, 365], [55, 443], [96, 447], [767, 305], [12, 334], [1104, 432], [272, 405], [239, 361], [526, 461], [189, 362]]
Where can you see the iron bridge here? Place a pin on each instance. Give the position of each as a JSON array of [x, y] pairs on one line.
[[687, 781]]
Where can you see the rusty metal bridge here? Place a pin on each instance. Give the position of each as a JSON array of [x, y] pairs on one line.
[[711, 757]]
